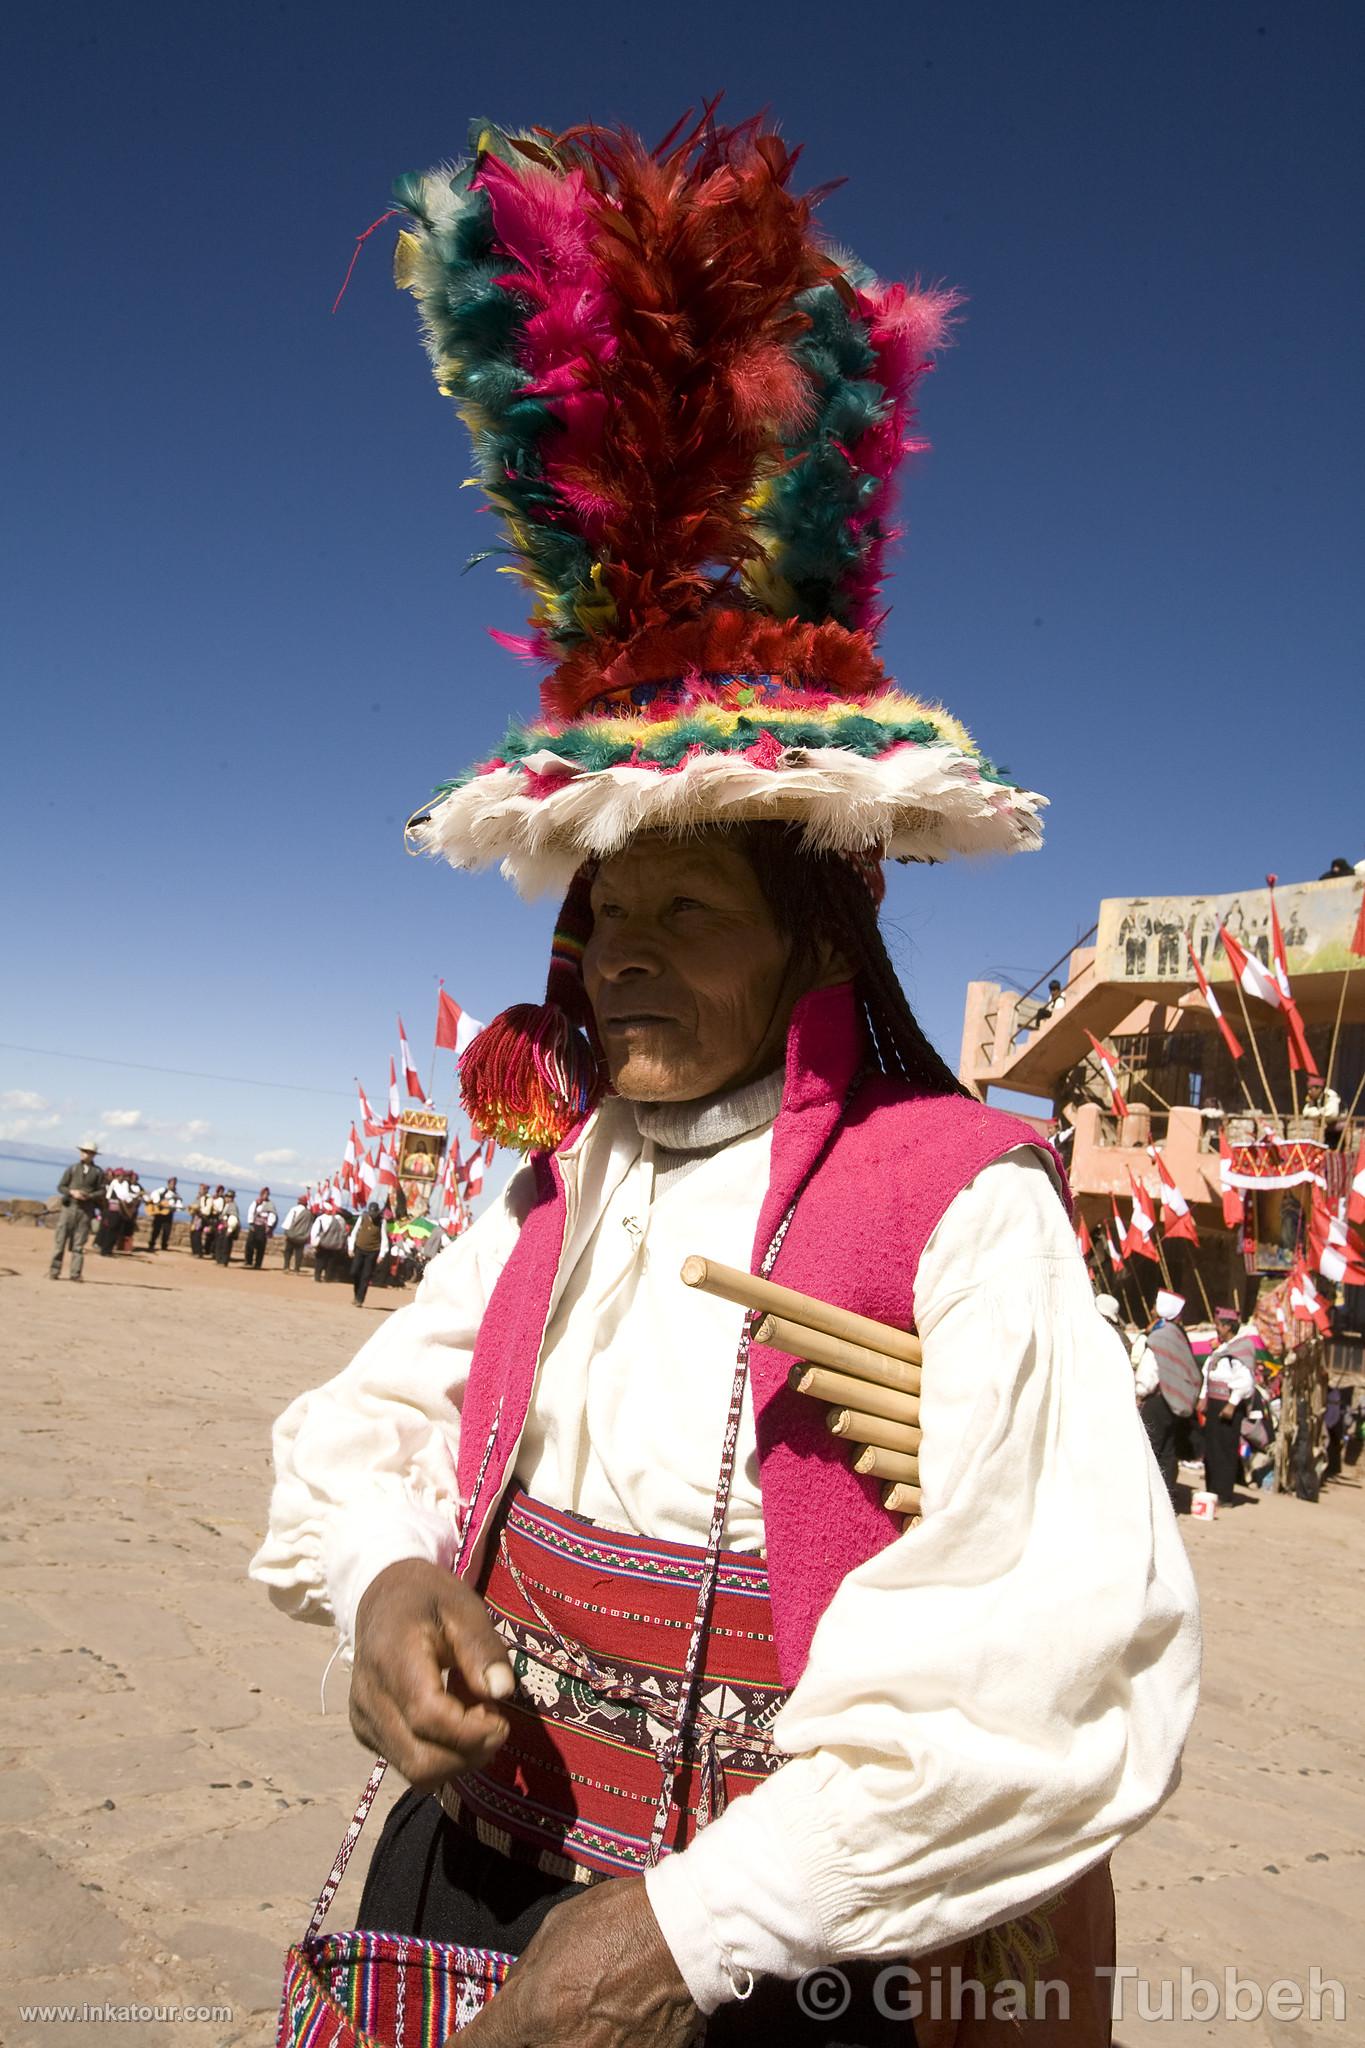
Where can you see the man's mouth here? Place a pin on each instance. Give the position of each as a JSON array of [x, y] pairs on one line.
[[635, 1020]]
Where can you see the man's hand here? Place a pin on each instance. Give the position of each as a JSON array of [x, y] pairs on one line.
[[1227, 1411], [429, 1666], [598, 1974]]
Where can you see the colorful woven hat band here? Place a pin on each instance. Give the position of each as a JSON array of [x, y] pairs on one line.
[[688, 412]]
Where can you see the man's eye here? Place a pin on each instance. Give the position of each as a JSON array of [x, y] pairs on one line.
[[687, 903]]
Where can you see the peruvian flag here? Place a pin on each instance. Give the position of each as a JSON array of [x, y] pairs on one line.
[[1335, 1249], [454, 1026], [1230, 1038], [395, 1107], [1111, 1246], [1140, 1236], [1305, 1301], [411, 1079], [386, 1173], [1110, 1075], [473, 1179], [1301, 1059], [1355, 1209], [352, 1158], [1082, 1237], [370, 1122], [1234, 1201], [1247, 969], [1173, 1201], [366, 1176]]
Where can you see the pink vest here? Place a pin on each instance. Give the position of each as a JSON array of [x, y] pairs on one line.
[[874, 1174]]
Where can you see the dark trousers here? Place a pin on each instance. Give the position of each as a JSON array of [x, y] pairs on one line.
[[197, 1238], [293, 1253], [1167, 1433], [111, 1230], [255, 1246], [427, 1878], [161, 1231], [362, 1272], [222, 1246], [1222, 1452]]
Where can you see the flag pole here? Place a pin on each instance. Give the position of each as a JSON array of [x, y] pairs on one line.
[[1336, 1028], [1203, 1290]]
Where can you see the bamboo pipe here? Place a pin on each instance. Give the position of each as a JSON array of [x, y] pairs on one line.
[[873, 1429], [902, 1499], [770, 1299], [842, 1390], [856, 1359], [887, 1464]]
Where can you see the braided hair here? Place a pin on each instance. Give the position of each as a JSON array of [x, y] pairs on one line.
[[823, 901]]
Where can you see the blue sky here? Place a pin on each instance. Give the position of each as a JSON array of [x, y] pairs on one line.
[[237, 648]]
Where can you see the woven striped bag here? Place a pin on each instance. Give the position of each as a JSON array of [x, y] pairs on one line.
[[364, 1990]]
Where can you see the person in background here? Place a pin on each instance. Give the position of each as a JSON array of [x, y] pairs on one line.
[[79, 1191], [198, 1212], [161, 1208], [131, 1204], [1323, 1104], [118, 1189], [261, 1219], [1167, 1383], [227, 1223], [1339, 866], [328, 1239], [367, 1245], [298, 1222], [1229, 1383], [1055, 1004]]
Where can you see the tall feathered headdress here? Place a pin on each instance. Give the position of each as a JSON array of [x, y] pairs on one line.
[[688, 411]]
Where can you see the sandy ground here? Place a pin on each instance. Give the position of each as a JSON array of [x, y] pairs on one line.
[[171, 1796]]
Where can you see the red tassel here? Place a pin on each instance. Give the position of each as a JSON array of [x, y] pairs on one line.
[[529, 1077]]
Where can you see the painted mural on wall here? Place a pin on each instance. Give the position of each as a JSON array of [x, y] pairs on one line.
[[1142, 938]]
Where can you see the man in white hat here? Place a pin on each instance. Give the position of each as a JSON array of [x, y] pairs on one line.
[[1168, 1384], [79, 1191]]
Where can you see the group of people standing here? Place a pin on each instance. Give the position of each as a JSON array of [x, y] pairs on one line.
[[355, 1247], [1185, 1405]]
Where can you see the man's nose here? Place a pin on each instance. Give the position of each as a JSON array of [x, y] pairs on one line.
[[625, 954]]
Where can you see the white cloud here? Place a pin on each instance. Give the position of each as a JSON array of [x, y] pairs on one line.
[[284, 1157], [18, 1127], [23, 1098], [209, 1162], [122, 1119]]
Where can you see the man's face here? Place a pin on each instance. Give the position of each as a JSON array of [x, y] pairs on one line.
[[686, 970], [1226, 1327]]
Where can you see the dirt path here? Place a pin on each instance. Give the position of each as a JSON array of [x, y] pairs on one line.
[[171, 1797]]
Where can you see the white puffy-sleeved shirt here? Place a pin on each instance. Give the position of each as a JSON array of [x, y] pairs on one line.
[[991, 1703]]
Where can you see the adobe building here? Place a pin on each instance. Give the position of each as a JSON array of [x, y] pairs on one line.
[[1130, 982]]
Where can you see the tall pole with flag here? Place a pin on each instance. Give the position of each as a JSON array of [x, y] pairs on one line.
[[1230, 1038], [1251, 979], [1301, 1059]]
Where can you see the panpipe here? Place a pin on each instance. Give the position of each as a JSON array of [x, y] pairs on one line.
[[866, 1373]]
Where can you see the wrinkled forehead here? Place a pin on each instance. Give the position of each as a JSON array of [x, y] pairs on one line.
[[653, 860]]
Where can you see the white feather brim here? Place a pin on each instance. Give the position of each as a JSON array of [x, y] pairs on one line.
[[917, 802]]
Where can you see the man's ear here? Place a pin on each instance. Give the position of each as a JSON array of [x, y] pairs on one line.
[[831, 966]]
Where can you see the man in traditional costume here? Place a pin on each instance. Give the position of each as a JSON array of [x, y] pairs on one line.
[[1168, 1382], [691, 1650], [1229, 1383]]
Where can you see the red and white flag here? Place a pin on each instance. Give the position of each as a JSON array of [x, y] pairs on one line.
[[1305, 1301], [351, 1159], [1113, 1238], [1355, 1205], [1334, 1248], [1358, 935], [455, 1028], [1110, 1075], [412, 1080], [1230, 1038], [395, 1106], [386, 1172], [1082, 1237], [473, 1178], [1140, 1236], [1301, 1060], [1173, 1201], [366, 1177], [370, 1123], [1256, 980], [1234, 1200]]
